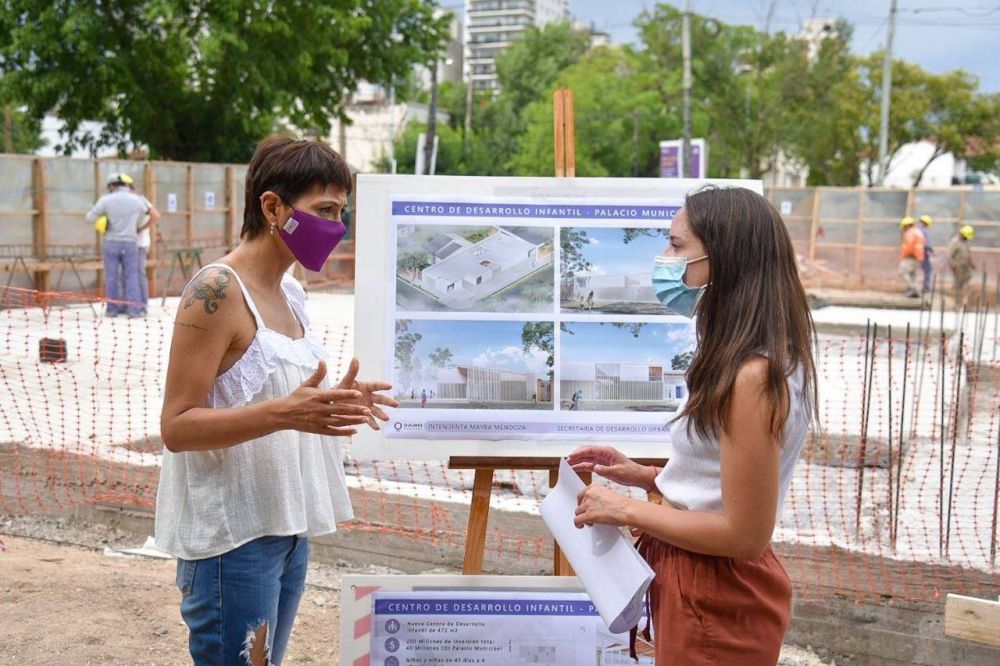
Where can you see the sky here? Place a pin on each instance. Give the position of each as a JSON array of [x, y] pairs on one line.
[[657, 343], [494, 344], [950, 35], [608, 255]]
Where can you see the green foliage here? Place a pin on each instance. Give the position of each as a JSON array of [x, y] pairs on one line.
[[540, 335], [205, 79], [571, 244], [441, 357], [682, 361], [412, 262], [20, 133]]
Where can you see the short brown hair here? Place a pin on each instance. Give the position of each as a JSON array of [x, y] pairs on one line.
[[289, 168]]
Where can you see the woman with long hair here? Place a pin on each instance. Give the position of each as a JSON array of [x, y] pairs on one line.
[[253, 466], [720, 595]]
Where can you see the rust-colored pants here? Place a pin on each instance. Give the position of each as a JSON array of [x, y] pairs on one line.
[[717, 610]]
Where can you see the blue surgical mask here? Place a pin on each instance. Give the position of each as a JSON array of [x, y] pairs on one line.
[[669, 287]]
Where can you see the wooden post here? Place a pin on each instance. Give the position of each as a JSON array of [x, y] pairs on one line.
[[98, 190], [564, 136], [40, 225], [859, 236], [475, 544], [149, 189], [189, 232], [972, 619], [230, 232], [909, 202], [814, 225]]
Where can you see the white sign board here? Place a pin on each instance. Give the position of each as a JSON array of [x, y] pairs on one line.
[[209, 200], [171, 202], [516, 316], [489, 620], [786, 207]]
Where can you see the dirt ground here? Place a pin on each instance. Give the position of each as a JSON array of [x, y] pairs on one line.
[[72, 604]]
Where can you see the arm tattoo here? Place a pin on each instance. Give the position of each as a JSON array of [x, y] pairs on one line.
[[209, 295]]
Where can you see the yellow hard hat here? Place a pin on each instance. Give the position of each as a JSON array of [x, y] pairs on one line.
[[906, 222], [927, 219], [120, 179], [967, 232]]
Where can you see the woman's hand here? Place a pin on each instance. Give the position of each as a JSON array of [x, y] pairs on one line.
[[612, 464], [601, 506], [369, 398], [323, 411]]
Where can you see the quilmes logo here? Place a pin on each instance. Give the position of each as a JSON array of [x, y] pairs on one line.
[[399, 426]]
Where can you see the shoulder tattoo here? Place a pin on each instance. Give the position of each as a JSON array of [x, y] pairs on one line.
[[209, 289]]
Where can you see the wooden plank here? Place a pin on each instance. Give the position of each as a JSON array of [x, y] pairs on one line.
[[558, 133], [40, 226], [479, 512], [230, 232], [814, 225], [972, 619], [149, 189], [189, 231], [98, 190], [569, 145]]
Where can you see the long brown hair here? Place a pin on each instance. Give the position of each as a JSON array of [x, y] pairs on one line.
[[754, 305]]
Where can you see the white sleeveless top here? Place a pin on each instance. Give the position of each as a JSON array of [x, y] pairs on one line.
[[288, 482], [692, 478]]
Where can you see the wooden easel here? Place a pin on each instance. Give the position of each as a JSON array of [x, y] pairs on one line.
[[482, 486], [185, 258]]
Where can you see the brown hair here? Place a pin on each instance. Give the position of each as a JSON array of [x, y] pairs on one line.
[[289, 168], [754, 305]]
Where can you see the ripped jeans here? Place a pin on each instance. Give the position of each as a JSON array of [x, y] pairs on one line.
[[232, 601]]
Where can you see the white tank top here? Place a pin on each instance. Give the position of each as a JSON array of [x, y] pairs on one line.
[[288, 482], [692, 478]]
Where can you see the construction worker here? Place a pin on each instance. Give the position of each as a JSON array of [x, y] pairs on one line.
[[126, 212], [960, 261], [912, 256], [925, 228]]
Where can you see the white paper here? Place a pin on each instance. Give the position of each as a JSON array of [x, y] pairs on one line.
[[171, 202], [424, 628], [612, 571]]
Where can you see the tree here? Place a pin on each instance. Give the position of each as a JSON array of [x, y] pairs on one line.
[[441, 357], [571, 243], [826, 136], [413, 263], [21, 134], [959, 121], [406, 342], [205, 79], [540, 335], [682, 361], [618, 114]]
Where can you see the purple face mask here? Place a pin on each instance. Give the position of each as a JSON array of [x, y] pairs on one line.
[[311, 239]]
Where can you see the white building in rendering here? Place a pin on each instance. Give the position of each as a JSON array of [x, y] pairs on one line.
[[464, 271], [491, 26], [621, 382], [623, 287], [475, 384]]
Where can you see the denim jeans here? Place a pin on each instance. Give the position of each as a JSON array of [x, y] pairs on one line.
[[121, 260], [227, 598]]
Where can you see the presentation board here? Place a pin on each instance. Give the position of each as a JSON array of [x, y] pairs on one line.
[[489, 620], [516, 316]]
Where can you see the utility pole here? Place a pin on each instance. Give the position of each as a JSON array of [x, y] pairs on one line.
[[686, 52], [883, 136], [431, 118]]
